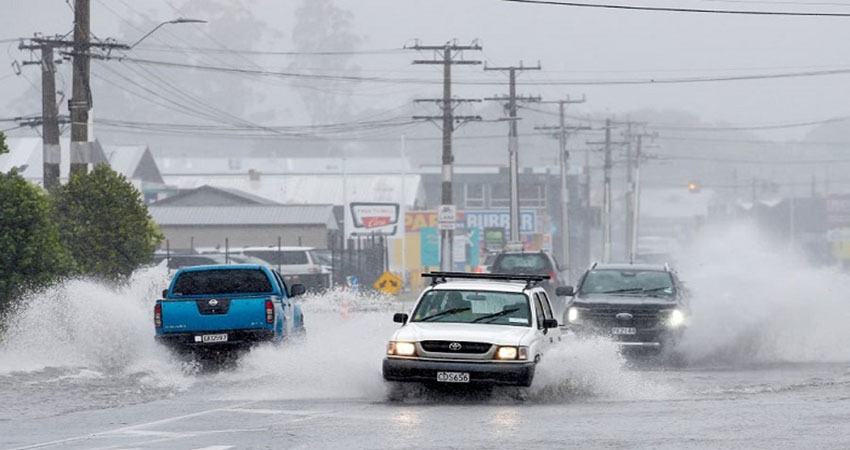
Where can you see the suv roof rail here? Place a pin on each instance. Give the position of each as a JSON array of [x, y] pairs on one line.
[[441, 277]]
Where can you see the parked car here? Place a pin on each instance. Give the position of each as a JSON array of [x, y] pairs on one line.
[[473, 328], [226, 307], [296, 264], [534, 263], [637, 305], [180, 260]]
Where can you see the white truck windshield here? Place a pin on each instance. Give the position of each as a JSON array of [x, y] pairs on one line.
[[501, 308]]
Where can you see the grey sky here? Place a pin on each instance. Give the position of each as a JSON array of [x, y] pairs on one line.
[[571, 44]]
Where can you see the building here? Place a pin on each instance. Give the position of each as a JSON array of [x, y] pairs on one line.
[[26, 155], [137, 164], [233, 226], [335, 181], [210, 216], [213, 196]]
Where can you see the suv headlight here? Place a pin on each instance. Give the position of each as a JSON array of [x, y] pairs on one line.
[[675, 319], [401, 348], [573, 315]]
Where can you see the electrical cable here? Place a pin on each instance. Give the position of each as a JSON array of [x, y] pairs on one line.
[[681, 10]]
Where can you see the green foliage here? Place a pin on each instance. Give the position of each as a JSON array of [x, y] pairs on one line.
[[3, 147], [30, 252], [104, 224]]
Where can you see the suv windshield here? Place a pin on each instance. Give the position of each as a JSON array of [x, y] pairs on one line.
[[222, 281], [628, 282], [522, 263], [501, 308]]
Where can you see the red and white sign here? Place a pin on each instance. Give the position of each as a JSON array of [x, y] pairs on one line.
[[374, 218]]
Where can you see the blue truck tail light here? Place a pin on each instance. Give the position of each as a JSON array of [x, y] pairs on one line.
[[157, 315], [269, 311]]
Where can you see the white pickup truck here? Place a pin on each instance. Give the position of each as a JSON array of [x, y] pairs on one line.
[[473, 328]]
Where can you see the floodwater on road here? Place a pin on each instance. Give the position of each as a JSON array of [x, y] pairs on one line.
[[766, 367]]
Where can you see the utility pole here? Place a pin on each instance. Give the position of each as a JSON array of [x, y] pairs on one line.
[[630, 194], [51, 153], [513, 140], [606, 199], [81, 101], [564, 165], [630, 201], [606, 192], [447, 55], [635, 210]]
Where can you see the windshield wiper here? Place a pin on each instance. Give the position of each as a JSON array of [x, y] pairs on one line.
[[443, 313], [621, 291], [659, 288], [655, 292], [494, 315]]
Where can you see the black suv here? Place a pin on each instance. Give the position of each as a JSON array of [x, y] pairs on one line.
[[638, 305], [534, 263]]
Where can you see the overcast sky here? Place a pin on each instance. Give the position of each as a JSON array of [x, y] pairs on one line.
[[571, 43]]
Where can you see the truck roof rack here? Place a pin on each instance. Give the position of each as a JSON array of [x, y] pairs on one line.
[[441, 277]]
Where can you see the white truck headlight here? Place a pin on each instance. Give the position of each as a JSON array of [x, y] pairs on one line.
[[401, 348], [675, 319], [511, 352]]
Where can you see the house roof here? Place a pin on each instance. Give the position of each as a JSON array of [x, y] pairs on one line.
[[134, 162], [184, 198], [26, 155], [316, 189], [244, 215], [181, 165]]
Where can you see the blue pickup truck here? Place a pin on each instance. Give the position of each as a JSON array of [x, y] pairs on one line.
[[226, 307]]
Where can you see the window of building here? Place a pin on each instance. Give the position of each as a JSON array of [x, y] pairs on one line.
[[500, 196], [532, 195], [474, 195]]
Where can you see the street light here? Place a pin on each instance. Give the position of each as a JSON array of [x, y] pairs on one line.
[[177, 20]]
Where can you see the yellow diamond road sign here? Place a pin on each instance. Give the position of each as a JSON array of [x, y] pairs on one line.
[[388, 283]]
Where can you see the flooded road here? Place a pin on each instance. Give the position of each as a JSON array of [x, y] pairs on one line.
[[765, 368]]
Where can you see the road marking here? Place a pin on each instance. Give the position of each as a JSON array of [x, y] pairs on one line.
[[256, 411], [152, 433], [132, 427], [215, 447]]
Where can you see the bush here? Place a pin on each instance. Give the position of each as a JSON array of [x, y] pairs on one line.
[[104, 224], [30, 251]]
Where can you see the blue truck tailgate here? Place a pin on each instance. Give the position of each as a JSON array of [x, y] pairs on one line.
[[218, 314]]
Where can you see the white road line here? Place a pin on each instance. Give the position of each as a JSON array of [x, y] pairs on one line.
[[132, 427], [216, 447], [151, 433], [256, 411]]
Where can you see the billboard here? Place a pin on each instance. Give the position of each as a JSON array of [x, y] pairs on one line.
[[366, 219]]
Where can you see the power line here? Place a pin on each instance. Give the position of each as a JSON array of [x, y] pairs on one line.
[[472, 82], [751, 161], [213, 50], [682, 10], [697, 128]]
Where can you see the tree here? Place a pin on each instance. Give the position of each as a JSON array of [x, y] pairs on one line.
[[323, 27], [104, 224], [3, 147], [30, 252]]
